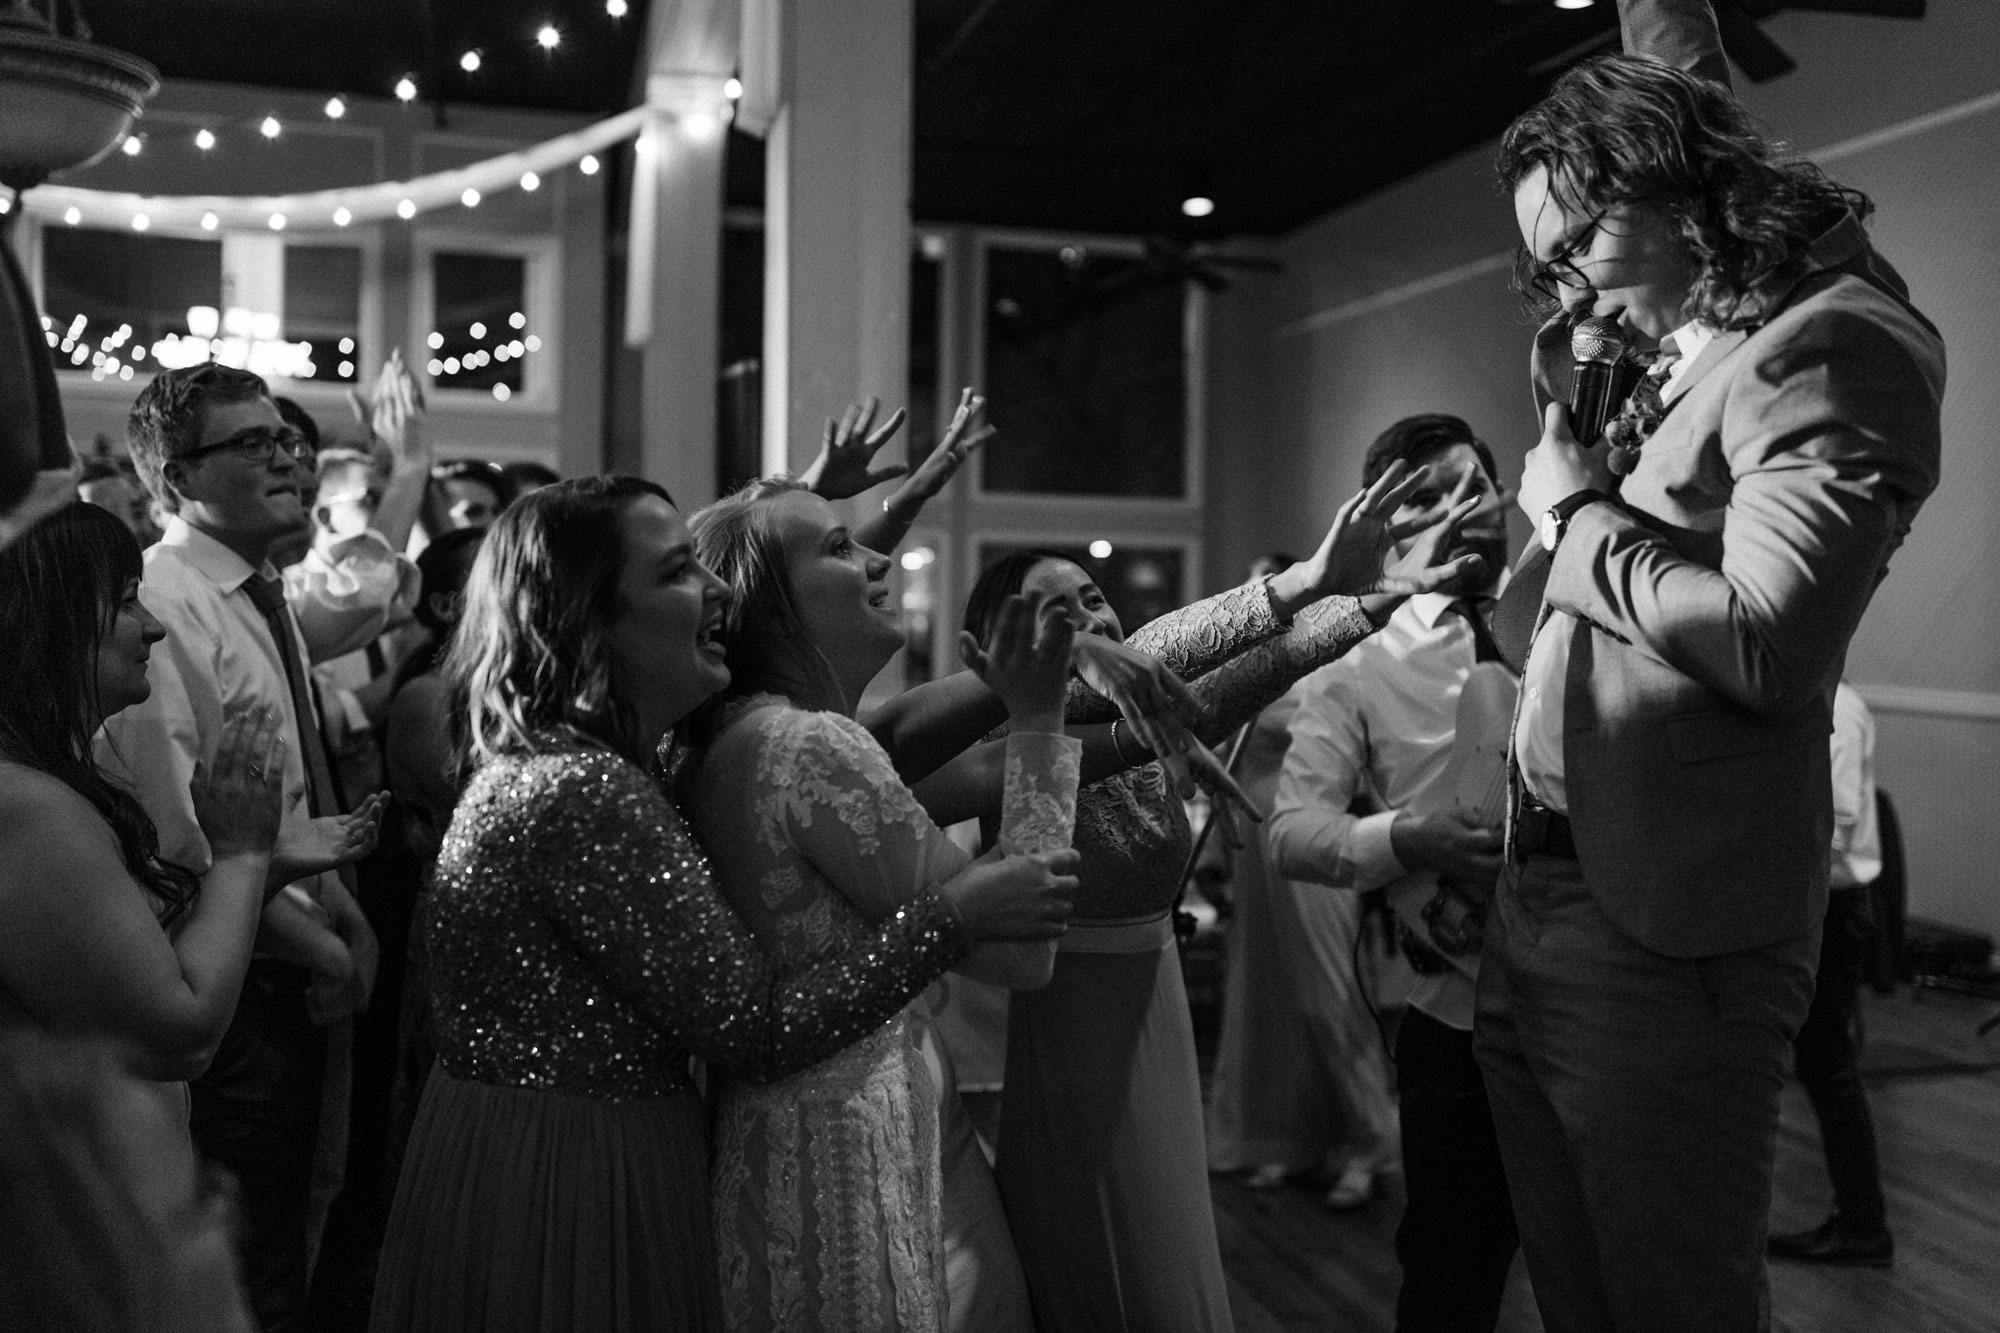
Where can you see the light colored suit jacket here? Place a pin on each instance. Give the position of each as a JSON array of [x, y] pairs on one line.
[[1719, 592]]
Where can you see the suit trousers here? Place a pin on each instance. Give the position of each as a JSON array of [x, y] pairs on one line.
[[256, 1112], [1457, 1237], [1826, 1060], [1636, 1101]]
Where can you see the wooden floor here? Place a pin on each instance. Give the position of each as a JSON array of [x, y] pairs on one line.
[[1935, 1091]]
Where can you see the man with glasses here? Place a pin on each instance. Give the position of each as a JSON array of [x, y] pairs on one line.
[[1650, 953], [212, 448]]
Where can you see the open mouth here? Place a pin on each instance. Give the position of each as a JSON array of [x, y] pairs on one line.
[[879, 598], [708, 638]]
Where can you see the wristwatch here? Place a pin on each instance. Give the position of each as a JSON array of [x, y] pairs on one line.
[[1555, 519]]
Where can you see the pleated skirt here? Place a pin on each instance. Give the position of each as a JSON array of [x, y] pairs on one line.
[[1101, 1161], [524, 1209]]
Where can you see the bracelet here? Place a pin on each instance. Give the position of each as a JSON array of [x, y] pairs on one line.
[[1118, 746]]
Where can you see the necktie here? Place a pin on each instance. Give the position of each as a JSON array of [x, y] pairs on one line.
[[322, 796], [1475, 611]]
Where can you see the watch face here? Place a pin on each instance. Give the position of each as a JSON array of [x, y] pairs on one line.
[[1552, 527]]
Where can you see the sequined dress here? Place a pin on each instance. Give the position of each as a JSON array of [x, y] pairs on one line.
[[827, 1185], [557, 1175], [1101, 1159]]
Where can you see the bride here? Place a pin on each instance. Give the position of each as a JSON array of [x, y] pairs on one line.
[[826, 1185]]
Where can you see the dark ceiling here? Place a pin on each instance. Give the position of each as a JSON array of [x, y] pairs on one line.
[[1074, 114]]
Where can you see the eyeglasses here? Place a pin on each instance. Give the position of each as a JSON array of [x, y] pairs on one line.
[[258, 445], [1559, 269]]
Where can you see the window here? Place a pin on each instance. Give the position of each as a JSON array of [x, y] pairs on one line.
[[113, 297], [480, 338], [1086, 370], [322, 308]]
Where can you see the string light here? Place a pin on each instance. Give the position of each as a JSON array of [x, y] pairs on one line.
[[435, 341], [470, 198], [406, 210], [204, 139], [478, 329], [341, 217], [530, 182], [1197, 206], [72, 215], [277, 222], [615, 8], [549, 36], [588, 166], [517, 320], [1574, 4], [469, 62], [406, 89], [270, 129], [209, 222], [732, 88], [132, 145], [502, 392], [335, 108], [140, 222]]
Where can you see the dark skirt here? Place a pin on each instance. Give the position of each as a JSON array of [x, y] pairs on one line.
[[525, 1209]]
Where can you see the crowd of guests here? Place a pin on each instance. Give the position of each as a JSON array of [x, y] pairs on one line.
[[447, 897]]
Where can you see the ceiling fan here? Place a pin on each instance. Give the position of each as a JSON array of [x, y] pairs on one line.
[[1167, 258], [1743, 37]]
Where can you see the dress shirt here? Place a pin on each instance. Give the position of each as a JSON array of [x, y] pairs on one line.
[[1538, 748], [346, 594], [1857, 834], [1384, 717], [218, 652]]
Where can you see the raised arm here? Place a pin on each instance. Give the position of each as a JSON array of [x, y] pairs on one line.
[[639, 902], [1681, 33]]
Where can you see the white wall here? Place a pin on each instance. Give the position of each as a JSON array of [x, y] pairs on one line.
[[1400, 304]]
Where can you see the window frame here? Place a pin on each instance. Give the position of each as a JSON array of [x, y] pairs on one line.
[[542, 301]]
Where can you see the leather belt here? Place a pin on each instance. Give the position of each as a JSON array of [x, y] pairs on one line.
[[1540, 831]]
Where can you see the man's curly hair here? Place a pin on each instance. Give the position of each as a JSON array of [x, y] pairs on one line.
[[1626, 130]]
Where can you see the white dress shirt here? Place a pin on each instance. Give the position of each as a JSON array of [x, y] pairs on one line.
[[218, 654], [1384, 717], [1538, 744], [1857, 833]]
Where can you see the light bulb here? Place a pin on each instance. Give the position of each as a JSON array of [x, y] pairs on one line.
[[140, 222], [469, 62], [502, 392], [341, 217], [406, 210], [732, 88], [277, 222], [589, 164], [270, 129], [132, 145], [209, 222], [204, 139], [530, 182], [615, 8], [549, 36], [1197, 206], [478, 329], [1574, 4], [406, 89], [470, 198], [335, 108]]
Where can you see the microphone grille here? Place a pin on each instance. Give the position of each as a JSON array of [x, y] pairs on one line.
[[1596, 339]]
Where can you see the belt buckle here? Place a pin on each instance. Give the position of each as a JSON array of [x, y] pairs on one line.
[[1531, 828]]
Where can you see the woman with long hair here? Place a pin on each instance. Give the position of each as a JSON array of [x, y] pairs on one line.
[[1101, 1158], [557, 1175], [828, 1185]]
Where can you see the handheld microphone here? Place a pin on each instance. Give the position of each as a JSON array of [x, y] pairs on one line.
[[1597, 346]]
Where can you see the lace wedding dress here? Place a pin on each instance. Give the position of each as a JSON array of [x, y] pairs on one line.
[[827, 1185]]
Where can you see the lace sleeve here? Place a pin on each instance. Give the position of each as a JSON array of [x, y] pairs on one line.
[[828, 789], [1241, 688], [1191, 641], [624, 882], [1038, 804]]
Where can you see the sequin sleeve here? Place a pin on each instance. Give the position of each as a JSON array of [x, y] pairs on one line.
[[623, 881], [1192, 641], [1243, 686]]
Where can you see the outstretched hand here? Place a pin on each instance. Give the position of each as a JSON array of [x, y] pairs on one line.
[[966, 433], [1026, 660], [1359, 556], [1155, 703], [848, 448], [393, 412]]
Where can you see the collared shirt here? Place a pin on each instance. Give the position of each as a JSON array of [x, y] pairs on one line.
[[1538, 736], [347, 594], [1384, 717], [218, 654]]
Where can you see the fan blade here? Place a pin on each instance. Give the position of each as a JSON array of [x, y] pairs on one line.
[[1758, 56], [1208, 278], [1888, 9]]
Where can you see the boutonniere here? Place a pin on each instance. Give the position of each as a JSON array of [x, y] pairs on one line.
[[1636, 421]]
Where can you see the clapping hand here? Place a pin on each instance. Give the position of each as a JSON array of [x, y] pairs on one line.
[[239, 795], [314, 846], [848, 448]]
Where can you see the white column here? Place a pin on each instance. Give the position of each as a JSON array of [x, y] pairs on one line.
[[674, 261], [836, 219]]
